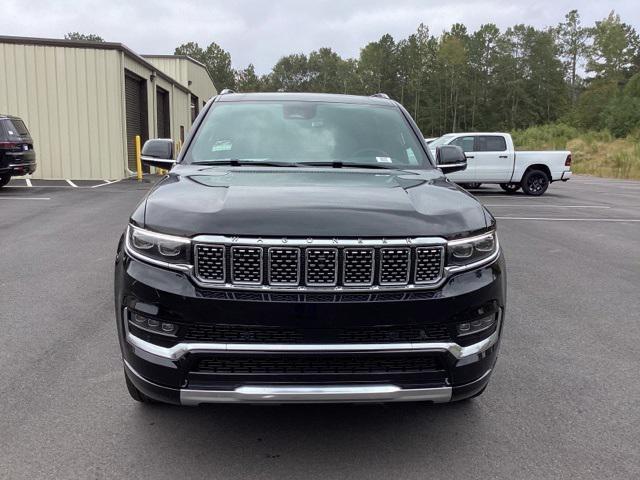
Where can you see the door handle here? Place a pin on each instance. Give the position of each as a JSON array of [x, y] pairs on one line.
[[503, 156], [470, 156]]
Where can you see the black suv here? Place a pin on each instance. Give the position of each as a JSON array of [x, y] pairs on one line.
[[16, 149], [306, 248]]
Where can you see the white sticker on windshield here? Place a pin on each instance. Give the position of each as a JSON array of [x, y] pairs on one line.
[[10, 132], [383, 159], [221, 146]]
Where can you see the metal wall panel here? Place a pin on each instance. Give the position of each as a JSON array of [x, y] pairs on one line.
[[70, 99]]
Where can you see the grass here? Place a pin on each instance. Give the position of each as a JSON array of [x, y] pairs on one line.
[[594, 152]]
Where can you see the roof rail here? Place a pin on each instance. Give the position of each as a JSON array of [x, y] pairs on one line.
[[226, 90], [381, 95]]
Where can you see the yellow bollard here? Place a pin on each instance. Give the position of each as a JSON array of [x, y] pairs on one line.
[[138, 160]]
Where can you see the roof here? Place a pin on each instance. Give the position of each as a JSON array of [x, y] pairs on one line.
[[305, 97], [59, 42], [6, 115], [183, 57]]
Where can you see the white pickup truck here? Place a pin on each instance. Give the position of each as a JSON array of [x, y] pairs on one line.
[[491, 158]]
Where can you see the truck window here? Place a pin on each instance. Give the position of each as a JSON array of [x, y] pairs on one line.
[[490, 143], [466, 143]]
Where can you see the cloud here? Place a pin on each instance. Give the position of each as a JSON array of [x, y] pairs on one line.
[[260, 32]]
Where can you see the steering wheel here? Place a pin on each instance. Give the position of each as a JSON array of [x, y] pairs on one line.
[[364, 151]]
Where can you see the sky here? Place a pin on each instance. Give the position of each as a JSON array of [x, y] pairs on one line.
[[260, 32]]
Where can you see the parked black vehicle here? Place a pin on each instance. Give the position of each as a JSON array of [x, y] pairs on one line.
[[17, 156], [305, 248]]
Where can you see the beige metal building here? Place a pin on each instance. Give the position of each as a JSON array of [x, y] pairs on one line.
[[84, 102]]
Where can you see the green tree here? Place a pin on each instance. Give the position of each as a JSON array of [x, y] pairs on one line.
[[87, 37], [453, 61], [377, 67], [216, 60], [246, 80], [614, 50], [622, 115], [326, 71], [572, 45], [290, 74]]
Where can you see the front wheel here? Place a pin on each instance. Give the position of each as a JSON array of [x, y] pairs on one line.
[[468, 186], [510, 187], [535, 182], [4, 179]]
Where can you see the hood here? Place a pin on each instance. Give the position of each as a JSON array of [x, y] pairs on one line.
[[310, 202]]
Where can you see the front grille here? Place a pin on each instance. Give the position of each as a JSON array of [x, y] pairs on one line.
[[203, 332], [210, 263], [319, 267], [284, 266], [309, 364], [358, 266], [394, 266], [428, 264], [246, 265], [322, 266]]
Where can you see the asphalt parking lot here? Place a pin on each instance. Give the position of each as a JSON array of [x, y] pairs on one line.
[[563, 401]]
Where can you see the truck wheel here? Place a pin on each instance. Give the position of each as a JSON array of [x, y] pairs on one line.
[[136, 394], [510, 187], [4, 179], [535, 182], [468, 186]]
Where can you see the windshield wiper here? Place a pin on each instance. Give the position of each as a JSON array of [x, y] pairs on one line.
[[341, 164], [236, 162]]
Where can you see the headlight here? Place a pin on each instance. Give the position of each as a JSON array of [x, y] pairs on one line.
[[470, 251], [158, 247]]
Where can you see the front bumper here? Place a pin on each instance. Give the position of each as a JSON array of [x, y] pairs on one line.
[[166, 372]]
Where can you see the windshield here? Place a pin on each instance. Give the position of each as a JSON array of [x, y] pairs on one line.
[[443, 140], [296, 132]]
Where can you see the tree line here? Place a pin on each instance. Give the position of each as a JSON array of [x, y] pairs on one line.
[[489, 79]]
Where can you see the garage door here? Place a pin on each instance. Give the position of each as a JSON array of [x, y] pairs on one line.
[[136, 107]]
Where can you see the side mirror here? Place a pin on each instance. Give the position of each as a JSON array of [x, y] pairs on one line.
[[450, 158], [158, 152]]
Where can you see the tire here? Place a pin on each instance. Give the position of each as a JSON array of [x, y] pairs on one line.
[[535, 182], [472, 185], [510, 188], [4, 179], [136, 394]]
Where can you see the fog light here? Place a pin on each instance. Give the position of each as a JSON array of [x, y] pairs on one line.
[[168, 327], [476, 326]]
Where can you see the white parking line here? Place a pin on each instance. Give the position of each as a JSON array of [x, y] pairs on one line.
[[71, 183], [106, 182], [28, 182], [25, 198], [546, 206], [552, 219]]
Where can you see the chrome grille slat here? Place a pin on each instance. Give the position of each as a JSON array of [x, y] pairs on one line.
[[301, 264]]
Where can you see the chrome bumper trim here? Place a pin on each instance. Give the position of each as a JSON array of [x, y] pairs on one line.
[[314, 394], [179, 350]]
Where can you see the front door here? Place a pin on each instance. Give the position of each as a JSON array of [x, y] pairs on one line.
[[493, 163]]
